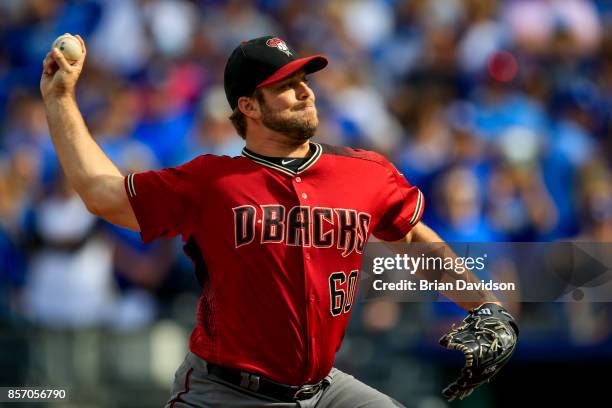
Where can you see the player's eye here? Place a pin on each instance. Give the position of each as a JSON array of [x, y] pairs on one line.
[[297, 83]]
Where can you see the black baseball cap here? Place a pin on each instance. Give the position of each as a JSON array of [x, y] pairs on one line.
[[263, 61]]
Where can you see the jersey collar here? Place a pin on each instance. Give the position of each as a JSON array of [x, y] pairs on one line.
[[264, 162]]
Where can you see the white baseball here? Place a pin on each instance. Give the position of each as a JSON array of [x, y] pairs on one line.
[[70, 46]]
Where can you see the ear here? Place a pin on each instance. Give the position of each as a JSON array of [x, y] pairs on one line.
[[249, 107]]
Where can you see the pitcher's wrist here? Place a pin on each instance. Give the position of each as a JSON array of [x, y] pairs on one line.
[[59, 98]]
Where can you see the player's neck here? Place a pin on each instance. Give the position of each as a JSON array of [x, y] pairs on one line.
[[278, 146]]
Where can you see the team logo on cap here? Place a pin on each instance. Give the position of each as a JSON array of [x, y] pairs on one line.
[[280, 44]]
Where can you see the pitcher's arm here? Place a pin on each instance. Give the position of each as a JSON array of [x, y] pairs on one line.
[[90, 172]]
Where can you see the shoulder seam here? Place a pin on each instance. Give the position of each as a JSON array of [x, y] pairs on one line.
[[357, 157]]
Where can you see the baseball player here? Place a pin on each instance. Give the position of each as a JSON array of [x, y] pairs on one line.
[[276, 236]]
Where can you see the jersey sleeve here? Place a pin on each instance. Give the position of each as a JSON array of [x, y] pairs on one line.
[[166, 202], [402, 206]]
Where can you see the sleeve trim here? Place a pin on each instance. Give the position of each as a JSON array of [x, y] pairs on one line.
[[417, 210], [130, 184]]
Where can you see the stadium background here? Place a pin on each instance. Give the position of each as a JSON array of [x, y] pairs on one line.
[[499, 111]]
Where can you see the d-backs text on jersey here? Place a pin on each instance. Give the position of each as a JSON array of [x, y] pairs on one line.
[[320, 227]]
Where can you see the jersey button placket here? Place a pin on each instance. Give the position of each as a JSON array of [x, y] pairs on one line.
[[303, 195], [311, 300]]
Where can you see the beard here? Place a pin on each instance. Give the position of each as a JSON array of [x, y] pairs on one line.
[[299, 125]]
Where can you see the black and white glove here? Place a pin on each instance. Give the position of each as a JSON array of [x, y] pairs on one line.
[[487, 337]]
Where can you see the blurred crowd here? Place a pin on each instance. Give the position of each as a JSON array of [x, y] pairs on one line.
[[500, 111]]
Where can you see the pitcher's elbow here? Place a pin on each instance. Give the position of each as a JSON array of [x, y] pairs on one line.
[[93, 202], [93, 208]]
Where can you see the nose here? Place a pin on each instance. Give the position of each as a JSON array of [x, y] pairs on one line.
[[303, 92]]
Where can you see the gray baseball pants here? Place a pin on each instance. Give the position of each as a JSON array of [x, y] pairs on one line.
[[195, 387]]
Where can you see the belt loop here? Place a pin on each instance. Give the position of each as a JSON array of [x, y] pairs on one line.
[[244, 379], [254, 384], [249, 381]]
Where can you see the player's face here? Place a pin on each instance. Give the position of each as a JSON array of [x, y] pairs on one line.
[[288, 107]]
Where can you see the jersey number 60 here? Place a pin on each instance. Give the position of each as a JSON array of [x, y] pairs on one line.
[[342, 291]]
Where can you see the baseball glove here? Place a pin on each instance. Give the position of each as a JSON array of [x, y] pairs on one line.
[[487, 337]]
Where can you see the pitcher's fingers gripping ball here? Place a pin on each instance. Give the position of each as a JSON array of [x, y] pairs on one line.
[[487, 337], [70, 46]]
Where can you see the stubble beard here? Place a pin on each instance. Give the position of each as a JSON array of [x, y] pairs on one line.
[[298, 127]]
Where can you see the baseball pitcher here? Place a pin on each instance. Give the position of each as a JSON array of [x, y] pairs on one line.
[[276, 237]]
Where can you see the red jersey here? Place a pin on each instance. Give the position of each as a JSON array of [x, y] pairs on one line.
[[278, 252]]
